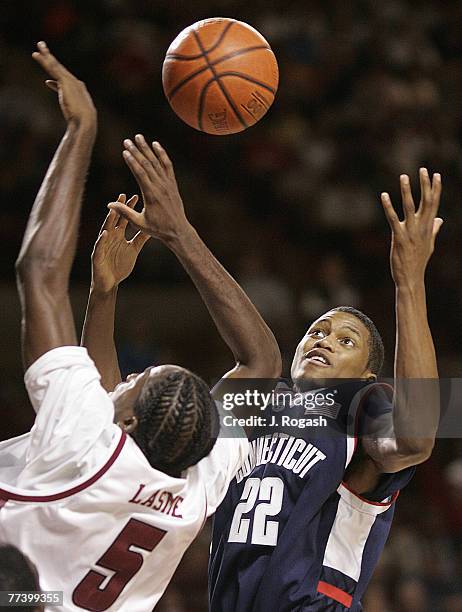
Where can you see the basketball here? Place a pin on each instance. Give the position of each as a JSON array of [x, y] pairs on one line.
[[220, 76]]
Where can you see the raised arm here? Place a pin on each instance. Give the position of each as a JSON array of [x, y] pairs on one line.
[[47, 252], [112, 260], [416, 400], [252, 343]]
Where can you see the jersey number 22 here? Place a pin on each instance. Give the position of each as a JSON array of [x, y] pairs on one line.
[[269, 493]]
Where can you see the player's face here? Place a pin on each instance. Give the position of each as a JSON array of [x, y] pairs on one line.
[[335, 346]]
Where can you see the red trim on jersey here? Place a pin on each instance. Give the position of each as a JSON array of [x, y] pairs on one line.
[[335, 593], [368, 501], [6, 495]]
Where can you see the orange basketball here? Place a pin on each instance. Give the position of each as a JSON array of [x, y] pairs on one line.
[[220, 76]]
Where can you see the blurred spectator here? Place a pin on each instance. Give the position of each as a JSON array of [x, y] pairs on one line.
[[328, 288]]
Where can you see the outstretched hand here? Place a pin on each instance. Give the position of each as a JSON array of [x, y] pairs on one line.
[[74, 99], [114, 257], [163, 214], [413, 239]]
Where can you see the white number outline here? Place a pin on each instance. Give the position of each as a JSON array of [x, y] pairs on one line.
[[270, 491]]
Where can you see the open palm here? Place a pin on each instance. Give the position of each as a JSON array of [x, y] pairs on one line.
[[114, 257], [413, 239]]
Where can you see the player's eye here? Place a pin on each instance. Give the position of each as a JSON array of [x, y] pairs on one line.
[[347, 341], [317, 333]]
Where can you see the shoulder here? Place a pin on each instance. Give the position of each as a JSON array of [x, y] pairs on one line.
[[60, 358]]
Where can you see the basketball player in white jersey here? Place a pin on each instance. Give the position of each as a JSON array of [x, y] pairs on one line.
[[105, 493]]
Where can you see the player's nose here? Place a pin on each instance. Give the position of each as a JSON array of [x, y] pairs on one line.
[[324, 343]]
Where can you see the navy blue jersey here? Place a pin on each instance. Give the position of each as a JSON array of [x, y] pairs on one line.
[[290, 535]]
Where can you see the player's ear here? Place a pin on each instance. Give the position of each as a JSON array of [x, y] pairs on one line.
[[128, 424], [371, 377]]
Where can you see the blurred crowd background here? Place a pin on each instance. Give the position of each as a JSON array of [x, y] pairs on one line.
[[368, 90]]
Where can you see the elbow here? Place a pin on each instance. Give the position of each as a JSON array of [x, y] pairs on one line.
[[392, 455], [268, 365], [272, 359], [418, 451], [424, 452], [34, 269], [40, 276], [276, 370]]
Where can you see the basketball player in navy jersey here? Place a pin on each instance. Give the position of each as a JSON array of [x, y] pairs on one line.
[[306, 517]]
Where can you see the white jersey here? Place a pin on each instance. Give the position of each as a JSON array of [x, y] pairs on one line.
[[80, 499]]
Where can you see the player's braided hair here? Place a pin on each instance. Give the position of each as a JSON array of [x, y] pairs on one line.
[[376, 350], [177, 421]]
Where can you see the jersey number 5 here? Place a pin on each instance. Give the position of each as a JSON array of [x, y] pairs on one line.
[[269, 492], [89, 593]]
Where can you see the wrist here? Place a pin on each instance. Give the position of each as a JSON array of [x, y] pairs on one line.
[[182, 236], [414, 286], [83, 125], [103, 292]]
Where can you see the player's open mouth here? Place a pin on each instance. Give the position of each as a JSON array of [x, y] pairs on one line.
[[318, 358]]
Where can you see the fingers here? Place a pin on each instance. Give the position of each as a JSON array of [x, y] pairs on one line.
[[139, 240], [109, 222], [408, 202], [390, 213], [53, 85], [128, 213], [49, 62], [154, 160], [437, 223], [425, 188], [112, 218], [436, 193], [431, 194], [146, 182], [162, 156], [151, 168], [131, 204], [147, 152]]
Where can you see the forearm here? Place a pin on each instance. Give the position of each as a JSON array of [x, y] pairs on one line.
[[98, 335], [51, 232], [48, 246], [236, 318], [416, 410]]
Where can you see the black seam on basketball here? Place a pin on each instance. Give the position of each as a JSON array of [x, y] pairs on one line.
[[220, 85], [201, 102], [186, 58], [220, 38], [219, 60], [251, 79], [183, 58]]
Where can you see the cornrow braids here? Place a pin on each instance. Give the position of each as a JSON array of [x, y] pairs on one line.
[[177, 421]]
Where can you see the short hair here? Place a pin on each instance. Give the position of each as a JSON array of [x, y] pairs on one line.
[[177, 421], [376, 349], [16, 573]]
